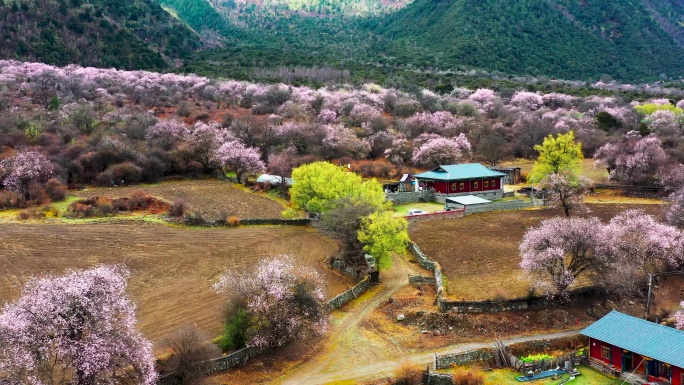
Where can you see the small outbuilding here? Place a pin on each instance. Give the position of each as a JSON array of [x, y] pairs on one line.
[[633, 347], [463, 201]]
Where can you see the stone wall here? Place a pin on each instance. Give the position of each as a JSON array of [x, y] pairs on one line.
[[425, 262], [400, 198], [438, 215], [432, 378], [532, 302], [196, 221], [546, 344], [498, 206], [350, 294], [447, 360], [231, 360]]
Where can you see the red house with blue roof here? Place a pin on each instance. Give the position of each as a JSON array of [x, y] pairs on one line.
[[637, 349], [463, 179]]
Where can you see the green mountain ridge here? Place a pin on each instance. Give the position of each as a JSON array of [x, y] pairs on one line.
[[629, 41], [131, 34], [559, 38]]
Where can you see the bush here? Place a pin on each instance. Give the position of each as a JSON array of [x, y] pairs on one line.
[[184, 109], [178, 209], [189, 348], [536, 357], [55, 190], [11, 200], [37, 194], [119, 174], [235, 330], [468, 377], [408, 374], [233, 221]]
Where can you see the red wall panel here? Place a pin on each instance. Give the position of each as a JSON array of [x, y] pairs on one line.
[[617, 357], [677, 374]]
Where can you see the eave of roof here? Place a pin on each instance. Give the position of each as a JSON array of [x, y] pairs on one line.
[[648, 339]]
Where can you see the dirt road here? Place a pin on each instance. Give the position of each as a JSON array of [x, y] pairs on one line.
[[357, 353]]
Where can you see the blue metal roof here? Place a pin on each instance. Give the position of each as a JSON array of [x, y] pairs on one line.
[[649, 339], [460, 171]]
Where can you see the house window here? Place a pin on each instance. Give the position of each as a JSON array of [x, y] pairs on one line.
[[494, 183], [475, 185], [605, 352], [663, 370], [461, 186], [486, 183], [453, 186]]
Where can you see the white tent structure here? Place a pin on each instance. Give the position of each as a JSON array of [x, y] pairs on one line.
[[463, 201], [274, 180]]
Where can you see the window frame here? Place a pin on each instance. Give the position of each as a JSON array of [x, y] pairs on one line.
[[605, 352], [476, 185], [461, 186], [486, 184]]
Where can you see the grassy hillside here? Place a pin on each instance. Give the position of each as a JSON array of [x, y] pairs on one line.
[[560, 38], [132, 34]]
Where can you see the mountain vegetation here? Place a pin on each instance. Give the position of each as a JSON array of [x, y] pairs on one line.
[[135, 34]]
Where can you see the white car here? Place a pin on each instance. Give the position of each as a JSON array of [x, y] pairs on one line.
[[416, 212]]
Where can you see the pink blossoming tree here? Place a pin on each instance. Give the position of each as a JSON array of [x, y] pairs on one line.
[[560, 250], [79, 328], [166, 133], [23, 170], [284, 302], [632, 159], [442, 151], [565, 190], [234, 156], [679, 318]]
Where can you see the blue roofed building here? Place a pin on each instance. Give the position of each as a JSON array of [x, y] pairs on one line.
[[637, 349], [462, 179]]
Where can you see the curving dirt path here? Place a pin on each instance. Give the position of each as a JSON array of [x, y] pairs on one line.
[[348, 348], [355, 353]]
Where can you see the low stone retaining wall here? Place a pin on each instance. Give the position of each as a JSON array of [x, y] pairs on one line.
[[401, 198], [456, 213], [195, 221], [533, 302], [231, 360], [432, 378], [350, 294], [446, 360], [498, 206]]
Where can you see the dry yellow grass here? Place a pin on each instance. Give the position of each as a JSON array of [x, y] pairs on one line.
[[596, 174]]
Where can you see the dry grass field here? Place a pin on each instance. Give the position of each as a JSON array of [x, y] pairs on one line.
[[172, 269], [210, 197], [479, 253]]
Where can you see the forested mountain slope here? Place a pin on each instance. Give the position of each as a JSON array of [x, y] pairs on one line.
[[131, 34], [563, 38]]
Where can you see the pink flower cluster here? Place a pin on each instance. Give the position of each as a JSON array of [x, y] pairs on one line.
[[22, 170], [80, 327]]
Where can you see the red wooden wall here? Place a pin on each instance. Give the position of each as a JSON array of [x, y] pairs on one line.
[[453, 187]]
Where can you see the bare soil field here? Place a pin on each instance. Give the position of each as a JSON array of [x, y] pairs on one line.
[[210, 197], [479, 253], [172, 269]]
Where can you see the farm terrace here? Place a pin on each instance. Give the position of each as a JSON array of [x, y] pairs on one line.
[[622, 344]]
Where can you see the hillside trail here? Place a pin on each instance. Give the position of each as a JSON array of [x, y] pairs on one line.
[[354, 353]]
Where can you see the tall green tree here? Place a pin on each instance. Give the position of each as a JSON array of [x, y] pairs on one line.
[[317, 186], [557, 154], [381, 235]]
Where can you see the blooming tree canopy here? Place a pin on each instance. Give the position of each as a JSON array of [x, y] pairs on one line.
[[24, 169], [565, 190], [234, 156], [442, 151], [166, 133], [632, 159], [284, 302], [679, 318], [557, 252], [80, 327]]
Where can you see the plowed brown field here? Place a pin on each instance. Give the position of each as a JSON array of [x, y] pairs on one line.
[[172, 269], [479, 253], [210, 197]]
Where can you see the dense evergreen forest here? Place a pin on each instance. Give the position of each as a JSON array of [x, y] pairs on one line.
[[134, 34]]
